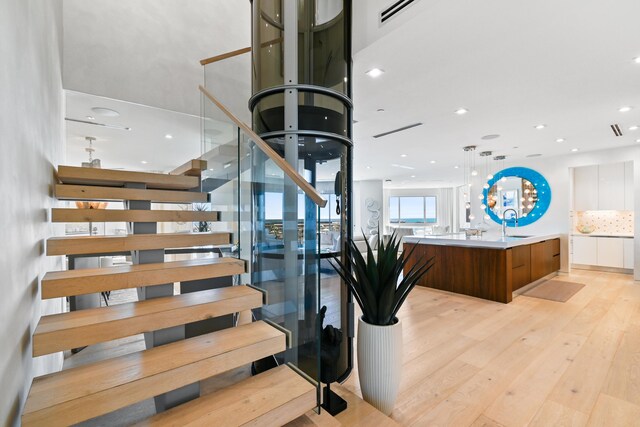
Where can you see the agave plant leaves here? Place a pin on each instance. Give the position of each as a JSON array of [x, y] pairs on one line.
[[377, 283]]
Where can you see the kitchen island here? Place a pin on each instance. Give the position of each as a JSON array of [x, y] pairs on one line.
[[489, 267]]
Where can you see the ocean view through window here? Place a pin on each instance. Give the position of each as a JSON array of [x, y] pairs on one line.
[[413, 210]]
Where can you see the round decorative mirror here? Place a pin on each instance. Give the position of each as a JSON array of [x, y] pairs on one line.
[[517, 192]]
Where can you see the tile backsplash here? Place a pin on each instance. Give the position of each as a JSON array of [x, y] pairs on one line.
[[608, 223]]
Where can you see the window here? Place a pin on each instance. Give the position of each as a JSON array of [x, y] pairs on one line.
[[412, 210], [328, 213], [273, 207], [273, 203]]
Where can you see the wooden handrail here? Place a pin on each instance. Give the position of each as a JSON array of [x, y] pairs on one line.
[[238, 52], [225, 56], [308, 189]]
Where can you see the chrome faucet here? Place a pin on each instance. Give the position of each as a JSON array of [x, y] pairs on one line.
[[504, 220]]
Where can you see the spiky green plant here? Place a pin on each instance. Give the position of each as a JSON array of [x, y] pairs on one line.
[[375, 282]]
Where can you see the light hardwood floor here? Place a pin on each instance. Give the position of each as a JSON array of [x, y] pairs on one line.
[[533, 362]]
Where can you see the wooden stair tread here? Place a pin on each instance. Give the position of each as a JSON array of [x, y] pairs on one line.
[[89, 192], [118, 178], [85, 281], [73, 245], [271, 398], [130, 215], [81, 393], [63, 331], [191, 168]]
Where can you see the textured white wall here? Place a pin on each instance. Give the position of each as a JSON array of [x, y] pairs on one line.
[[31, 139], [148, 51]]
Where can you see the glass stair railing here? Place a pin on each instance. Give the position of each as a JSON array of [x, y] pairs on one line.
[[273, 213]]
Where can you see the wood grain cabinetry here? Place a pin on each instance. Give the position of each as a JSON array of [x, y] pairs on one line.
[[486, 273], [545, 258], [520, 266]]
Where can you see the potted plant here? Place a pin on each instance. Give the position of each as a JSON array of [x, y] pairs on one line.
[[380, 288]]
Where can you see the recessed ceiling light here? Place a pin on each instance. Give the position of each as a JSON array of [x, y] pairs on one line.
[[106, 112], [540, 126], [432, 161], [380, 110], [489, 137], [375, 72], [560, 140], [636, 59], [574, 149], [413, 176], [90, 118], [144, 162], [168, 136], [456, 167], [534, 155], [395, 165], [625, 109], [461, 111], [368, 167], [403, 155], [634, 127], [637, 140]]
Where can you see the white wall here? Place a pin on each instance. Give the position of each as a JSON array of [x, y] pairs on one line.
[[31, 135], [148, 51], [557, 173]]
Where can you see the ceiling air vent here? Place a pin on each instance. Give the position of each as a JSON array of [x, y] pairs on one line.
[[380, 135], [394, 9], [616, 130]]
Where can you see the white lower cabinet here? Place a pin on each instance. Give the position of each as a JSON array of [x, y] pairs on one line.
[[613, 252], [585, 250], [628, 253], [610, 252]]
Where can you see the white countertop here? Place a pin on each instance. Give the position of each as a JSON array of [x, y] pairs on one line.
[[622, 236], [487, 241]]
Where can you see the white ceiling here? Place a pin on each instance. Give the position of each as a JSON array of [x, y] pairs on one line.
[[145, 141], [513, 64]]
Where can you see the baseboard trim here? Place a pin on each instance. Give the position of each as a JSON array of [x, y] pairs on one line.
[[603, 269]]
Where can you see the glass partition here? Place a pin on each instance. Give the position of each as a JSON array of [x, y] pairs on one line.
[[275, 227]]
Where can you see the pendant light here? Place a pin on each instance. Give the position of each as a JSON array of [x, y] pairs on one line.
[[92, 163], [486, 155], [467, 174]]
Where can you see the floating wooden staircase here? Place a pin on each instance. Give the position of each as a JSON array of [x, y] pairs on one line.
[[78, 394]]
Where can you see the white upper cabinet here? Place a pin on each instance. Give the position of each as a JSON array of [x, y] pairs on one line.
[[628, 186], [611, 187], [603, 187], [585, 188]]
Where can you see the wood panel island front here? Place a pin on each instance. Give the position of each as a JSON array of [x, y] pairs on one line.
[[488, 268]]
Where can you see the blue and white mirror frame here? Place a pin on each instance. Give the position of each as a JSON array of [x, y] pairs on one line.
[[539, 183]]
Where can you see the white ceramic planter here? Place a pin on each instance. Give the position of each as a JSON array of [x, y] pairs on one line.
[[380, 363]]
